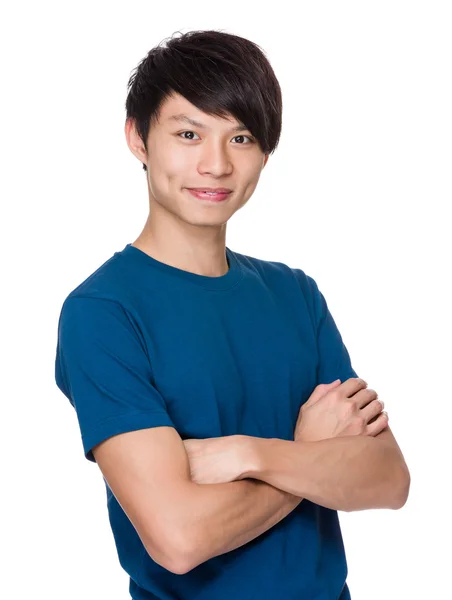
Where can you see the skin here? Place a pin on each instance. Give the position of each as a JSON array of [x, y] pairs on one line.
[[180, 230], [324, 415], [185, 233], [344, 455]]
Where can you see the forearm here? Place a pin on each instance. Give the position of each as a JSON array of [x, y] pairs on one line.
[[224, 516], [344, 473]]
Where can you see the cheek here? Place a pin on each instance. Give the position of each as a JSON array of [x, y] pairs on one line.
[[252, 178], [178, 163], [169, 167], [174, 164], [167, 156]]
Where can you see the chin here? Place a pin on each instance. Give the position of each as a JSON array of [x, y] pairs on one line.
[[207, 222]]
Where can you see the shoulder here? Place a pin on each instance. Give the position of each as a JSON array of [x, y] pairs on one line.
[[104, 282], [277, 272], [101, 305], [116, 281]]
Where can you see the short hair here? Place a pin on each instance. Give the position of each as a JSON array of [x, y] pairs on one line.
[[220, 73]]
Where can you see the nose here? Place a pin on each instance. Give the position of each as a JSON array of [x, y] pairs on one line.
[[214, 160]]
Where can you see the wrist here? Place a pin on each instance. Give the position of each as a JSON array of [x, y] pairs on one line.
[[257, 452], [253, 452]]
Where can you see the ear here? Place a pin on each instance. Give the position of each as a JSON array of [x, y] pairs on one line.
[[265, 160], [134, 141]]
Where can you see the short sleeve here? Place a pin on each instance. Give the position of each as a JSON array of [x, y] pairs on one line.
[[334, 359], [102, 367]]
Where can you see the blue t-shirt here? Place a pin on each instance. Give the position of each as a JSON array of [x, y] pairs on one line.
[[143, 344]]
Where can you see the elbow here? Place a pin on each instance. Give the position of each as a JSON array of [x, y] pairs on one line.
[[183, 560], [173, 553], [391, 494], [179, 568], [178, 541], [189, 555], [403, 488]]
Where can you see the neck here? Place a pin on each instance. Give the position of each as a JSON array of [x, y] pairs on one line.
[[199, 250]]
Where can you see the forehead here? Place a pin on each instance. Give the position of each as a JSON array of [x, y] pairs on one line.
[[176, 107]]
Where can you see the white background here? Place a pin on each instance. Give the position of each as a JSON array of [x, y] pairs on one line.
[[357, 195]]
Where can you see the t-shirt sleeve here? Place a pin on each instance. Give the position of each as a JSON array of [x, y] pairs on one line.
[[102, 367], [334, 359]]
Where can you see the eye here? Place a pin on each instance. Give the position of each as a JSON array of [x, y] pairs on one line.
[[244, 136], [182, 133]]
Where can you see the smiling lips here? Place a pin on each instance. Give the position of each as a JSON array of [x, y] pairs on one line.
[[212, 190], [210, 194]]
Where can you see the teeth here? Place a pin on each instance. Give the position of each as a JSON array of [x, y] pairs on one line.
[[209, 193]]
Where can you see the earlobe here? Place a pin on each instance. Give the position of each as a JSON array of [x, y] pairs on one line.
[[134, 141]]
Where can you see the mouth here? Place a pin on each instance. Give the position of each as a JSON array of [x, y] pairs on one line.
[[220, 190], [210, 196]]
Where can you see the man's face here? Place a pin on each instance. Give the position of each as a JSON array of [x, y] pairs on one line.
[[213, 153]]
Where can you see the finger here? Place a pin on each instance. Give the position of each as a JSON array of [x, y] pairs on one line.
[[373, 409], [364, 397], [379, 424], [321, 390], [353, 385]]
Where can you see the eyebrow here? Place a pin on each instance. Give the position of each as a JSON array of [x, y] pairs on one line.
[[185, 119]]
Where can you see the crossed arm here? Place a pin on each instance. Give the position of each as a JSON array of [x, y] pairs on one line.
[[348, 473], [255, 482]]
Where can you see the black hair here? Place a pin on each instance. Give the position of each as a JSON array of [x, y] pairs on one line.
[[220, 73]]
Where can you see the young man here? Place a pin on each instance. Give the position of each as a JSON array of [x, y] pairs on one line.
[[213, 389]]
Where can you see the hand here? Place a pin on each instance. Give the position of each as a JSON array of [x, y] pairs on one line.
[[217, 460], [338, 409]]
